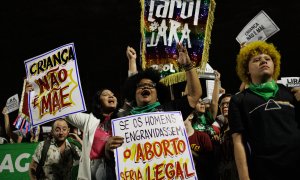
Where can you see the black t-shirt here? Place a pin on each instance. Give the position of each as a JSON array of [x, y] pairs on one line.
[[271, 131]]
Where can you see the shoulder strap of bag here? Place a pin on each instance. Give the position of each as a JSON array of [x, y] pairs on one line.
[[45, 149]]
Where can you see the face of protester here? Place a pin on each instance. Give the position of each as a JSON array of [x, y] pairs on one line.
[[261, 68], [108, 101], [224, 104], [200, 106], [60, 130], [145, 93]]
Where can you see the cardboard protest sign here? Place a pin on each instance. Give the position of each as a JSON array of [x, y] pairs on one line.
[[164, 23], [155, 147], [57, 89], [261, 27], [12, 103], [290, 81]]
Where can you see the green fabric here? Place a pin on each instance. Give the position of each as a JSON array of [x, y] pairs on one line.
[[266, 90], [148, 108], [76, 143], [202, 124]]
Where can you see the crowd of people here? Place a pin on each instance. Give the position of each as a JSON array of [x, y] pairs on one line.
[[250, 134]]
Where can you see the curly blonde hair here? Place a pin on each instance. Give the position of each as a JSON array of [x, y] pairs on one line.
[[253, 49]]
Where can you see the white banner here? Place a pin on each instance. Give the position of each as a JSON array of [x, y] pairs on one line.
[[155, 146], [261, 27], [57, 89]]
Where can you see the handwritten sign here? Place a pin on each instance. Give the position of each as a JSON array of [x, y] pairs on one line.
[[261, 27], [57, 90], [12, 103], [156, 147]]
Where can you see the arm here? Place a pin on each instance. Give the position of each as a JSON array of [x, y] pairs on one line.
[[32, 170], [240, 156], [215, 96], [78, 120], [131, 56], [6, 122], [194, 89]]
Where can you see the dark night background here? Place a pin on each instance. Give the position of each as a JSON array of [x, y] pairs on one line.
[[101, 31]]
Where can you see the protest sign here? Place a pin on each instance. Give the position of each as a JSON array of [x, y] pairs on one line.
[[155, 147], [261, 27], [165, 23], [57, 89], [12, 103], [290, 81]]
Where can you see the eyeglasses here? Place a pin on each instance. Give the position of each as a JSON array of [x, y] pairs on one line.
[[58, 130], [224, 103], [146, 85]]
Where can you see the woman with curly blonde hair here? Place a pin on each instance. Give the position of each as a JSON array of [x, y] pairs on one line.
[[262, 117]]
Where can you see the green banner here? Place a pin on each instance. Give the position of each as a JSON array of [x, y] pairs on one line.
[[15, 159]]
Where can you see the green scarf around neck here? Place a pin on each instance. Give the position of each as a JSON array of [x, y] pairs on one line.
[[148, 108], [266, 90]]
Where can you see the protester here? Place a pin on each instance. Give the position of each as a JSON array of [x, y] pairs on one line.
[[96, 128], [202, 151], [146, 93], [60, 155], [264, 118], [227, 169]]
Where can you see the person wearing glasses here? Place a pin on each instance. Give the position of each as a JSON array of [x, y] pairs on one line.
[[146, 93], [60, 156], [227, 169]]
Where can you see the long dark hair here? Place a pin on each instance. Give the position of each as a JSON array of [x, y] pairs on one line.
[[96, 104]]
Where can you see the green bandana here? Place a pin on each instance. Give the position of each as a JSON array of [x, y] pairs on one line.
[[266, 90], [143, 109], [201, 125]]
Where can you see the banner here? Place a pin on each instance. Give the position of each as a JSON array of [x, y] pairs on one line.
[[164, 23], [15, 160], [261, 27], [155, 146], [57, 89]]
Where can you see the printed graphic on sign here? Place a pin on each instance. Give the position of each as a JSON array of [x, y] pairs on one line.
[[155, 147], [261, 27], [57, 89]]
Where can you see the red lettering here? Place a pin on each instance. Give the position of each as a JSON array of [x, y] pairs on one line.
[[166, 145], [139, 153], [187, 174], [179, 172], [170, 172], [159, 169], [148, 151]]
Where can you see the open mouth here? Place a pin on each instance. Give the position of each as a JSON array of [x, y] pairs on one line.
[[145, 92], [111, 101]]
